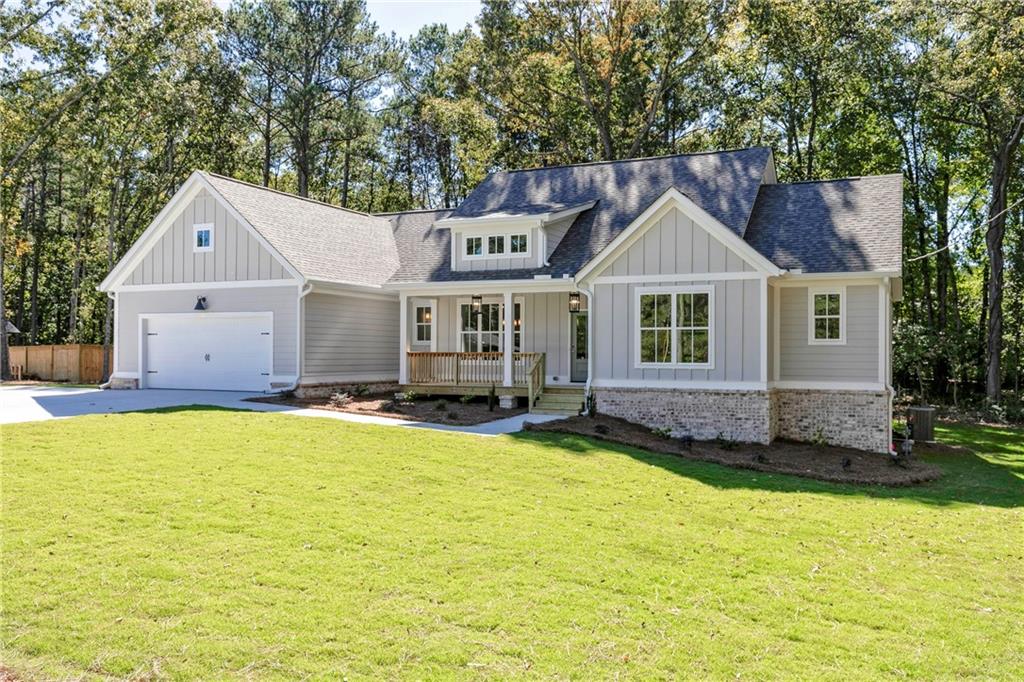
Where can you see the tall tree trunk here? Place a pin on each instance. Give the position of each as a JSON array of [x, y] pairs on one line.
[[38, 240], [108, 317]]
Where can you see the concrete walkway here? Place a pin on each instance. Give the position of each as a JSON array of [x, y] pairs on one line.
[[27, 403]]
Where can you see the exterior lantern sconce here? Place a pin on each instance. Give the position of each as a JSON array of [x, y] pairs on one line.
[[200, 303], [477, 304], [574, 302], [426, 315]]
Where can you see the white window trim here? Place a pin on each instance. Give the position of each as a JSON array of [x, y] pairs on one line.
[[485, 250], [674, 364], [521, 300], [424, 303], [195, 233], [811, 293]]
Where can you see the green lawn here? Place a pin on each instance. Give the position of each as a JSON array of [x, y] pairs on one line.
[[204, 543]]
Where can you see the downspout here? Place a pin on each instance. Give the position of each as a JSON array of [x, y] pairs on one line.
[[590, 340], [306, 289]]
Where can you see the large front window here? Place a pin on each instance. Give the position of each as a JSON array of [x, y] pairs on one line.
[[674, 327], [484, 332]]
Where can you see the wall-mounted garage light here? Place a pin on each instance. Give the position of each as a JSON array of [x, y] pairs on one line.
[[574, 302], [200, 303]]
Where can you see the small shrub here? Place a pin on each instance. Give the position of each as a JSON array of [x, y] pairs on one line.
[[453, 415], [602, 429], [467, 399], [662, 432], [409, 396], [819, 439], [361, 390], [340, 399], [441, 405], [725, 442], [492, 398]]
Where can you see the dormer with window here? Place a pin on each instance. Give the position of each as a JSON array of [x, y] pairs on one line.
[[506, 241]]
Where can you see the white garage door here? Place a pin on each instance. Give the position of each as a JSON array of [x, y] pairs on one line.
[[228, 352]]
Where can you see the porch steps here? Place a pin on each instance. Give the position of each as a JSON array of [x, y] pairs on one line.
[[559, 400]]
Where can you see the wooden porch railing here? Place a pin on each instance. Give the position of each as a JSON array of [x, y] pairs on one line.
[[472, 369]]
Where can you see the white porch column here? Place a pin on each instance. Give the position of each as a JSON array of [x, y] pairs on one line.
[[403, 335], [509, 321]]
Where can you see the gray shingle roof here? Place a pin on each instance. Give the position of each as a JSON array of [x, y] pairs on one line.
[[321, 241], [849, 225], [723, 183], [419, 242]]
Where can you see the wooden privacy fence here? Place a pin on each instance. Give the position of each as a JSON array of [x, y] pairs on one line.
[[78, 363]]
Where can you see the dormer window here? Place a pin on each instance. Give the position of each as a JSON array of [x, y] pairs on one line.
[[474, 246], [496, 245], [519, 244], [202, 238]]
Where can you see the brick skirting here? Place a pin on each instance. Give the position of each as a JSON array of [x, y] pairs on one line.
[[855, 419]]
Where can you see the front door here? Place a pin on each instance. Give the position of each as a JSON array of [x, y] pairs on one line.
[[578, 346]]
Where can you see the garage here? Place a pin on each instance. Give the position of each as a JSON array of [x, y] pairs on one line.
[[214, 351]]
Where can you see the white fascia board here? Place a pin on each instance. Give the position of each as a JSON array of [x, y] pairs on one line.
[[351, 289], [225, 284], [484, 286], [673, 198], [791, 279], [506, 220]]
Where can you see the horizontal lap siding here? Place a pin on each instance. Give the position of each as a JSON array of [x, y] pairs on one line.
[[237, 254], [675, 245], [348, 335], [856, 360], [282, 301]]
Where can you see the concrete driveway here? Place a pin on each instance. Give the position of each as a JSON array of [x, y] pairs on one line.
[[26, 403]]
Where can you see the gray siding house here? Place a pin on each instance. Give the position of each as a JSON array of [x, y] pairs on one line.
[[692, 292]]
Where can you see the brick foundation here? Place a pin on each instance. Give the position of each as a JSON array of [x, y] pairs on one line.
[[853, 419], [118, 383], [736, 415]]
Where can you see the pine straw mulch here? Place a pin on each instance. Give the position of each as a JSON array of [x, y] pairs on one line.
[[434, 410], [824, 463]]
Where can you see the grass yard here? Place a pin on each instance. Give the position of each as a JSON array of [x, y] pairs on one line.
[[203, 543]]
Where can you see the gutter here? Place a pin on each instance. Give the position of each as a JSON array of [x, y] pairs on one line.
[[590, 342], [306, 289]]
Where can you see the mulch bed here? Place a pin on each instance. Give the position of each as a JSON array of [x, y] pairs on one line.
[[452, 412], [824, 463]]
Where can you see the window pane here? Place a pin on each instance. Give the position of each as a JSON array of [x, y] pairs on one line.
[[469, 343], [489, 343], [421, 315], [820, 304], [468, 318], [701, 346], [663, 310], [833, 327], [664, 345], [423, 332], [684, 312], [492, 317], [473, 246], [833, 304], [518, 243], [820, 328], [647, 310], [647, 353], [496, 245], [685, 353], [700, 310]]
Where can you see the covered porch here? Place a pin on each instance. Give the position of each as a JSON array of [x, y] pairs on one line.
[[470, 340]]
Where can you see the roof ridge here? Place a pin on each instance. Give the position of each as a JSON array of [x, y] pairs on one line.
[[823, 180], [639, 158], [415, 210], [286, 194]]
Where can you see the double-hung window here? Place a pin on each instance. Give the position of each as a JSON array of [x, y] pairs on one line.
[[674, 327], [474, 246], [424, 325], [826, 316], [485, 332], [496, 245]]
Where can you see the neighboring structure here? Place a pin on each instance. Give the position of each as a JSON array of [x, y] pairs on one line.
[[691, 292]]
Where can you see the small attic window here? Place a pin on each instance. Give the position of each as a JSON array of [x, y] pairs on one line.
[[202, 238]]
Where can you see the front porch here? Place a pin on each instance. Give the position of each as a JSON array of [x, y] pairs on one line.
[[519, 344]]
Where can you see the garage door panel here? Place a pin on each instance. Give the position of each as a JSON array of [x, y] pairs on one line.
[[209, 351]]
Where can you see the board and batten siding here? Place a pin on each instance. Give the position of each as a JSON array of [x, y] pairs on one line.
[[856, 360], [237, 255], [350, 337], [675, 245], [545, 327], [282, 301], [509, 262]]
